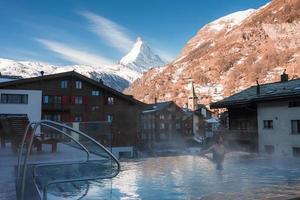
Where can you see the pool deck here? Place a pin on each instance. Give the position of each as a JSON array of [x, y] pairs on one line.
[[8, 161]]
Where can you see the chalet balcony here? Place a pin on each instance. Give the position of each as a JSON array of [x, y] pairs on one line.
[[56, 107], [239, 135]]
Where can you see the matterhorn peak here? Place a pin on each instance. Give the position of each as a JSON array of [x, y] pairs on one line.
[[141, 57], [139, 39]]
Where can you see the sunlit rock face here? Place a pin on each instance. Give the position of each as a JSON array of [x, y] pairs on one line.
[[228, 55]]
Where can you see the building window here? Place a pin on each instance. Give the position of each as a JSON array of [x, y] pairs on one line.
[[294, 104], [153, 125], [162, 126], [95, 93], [57, 117], [52, 99], [78, 118], [78, 84], [296, 151], [47, 117], [57, 99], [109, 118], [295, 126], [95, 108], [177, 125], [64, 84], [110, 100], [14, 98], [243, 124], [269, 149], [46, 99], [145, 126], [78, 100], [161, 116], [268, 124]]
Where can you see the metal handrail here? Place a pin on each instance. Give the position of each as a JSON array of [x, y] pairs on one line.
[[44, 122], [22, 146], [77, 142], [29, 149]]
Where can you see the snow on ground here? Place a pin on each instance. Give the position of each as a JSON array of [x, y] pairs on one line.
[[231, 20], [176, 76], [258, 59], [271, 74], [241, 61], [216, 91]]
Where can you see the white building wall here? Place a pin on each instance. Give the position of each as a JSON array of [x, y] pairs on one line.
[[33, 109], [280, 136]]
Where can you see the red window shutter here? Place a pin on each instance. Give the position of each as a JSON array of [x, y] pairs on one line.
[[64, 100], [71, 118], [72, 100], [64, 117], [85, 100]]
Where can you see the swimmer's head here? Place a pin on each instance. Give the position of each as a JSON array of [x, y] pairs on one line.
[[219, 139]]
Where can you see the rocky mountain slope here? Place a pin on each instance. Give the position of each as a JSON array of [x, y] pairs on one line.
[[228, 55], [118, 76]]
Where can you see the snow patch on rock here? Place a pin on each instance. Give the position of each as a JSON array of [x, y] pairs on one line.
[[231, 20]]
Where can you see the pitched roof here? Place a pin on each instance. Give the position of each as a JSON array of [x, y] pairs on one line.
[[76, 74], [270, 91], [10, 77], [157, 106]]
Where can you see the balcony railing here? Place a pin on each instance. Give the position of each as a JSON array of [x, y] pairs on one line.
[[56, 107]]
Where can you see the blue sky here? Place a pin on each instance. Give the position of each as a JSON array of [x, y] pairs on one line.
[[90, 32]]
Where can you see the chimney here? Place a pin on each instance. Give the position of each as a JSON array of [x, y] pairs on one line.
[[100, 81], [257, 87], [284, 77], [42, 73], [155, 100]]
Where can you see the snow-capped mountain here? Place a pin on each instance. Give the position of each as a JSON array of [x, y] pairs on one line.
[[118, 76], [141, 57], [229, 55]]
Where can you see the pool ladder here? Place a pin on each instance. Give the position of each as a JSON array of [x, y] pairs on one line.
[[22, 173]]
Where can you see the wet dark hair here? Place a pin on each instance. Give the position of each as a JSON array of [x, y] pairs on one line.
[[218, 137]]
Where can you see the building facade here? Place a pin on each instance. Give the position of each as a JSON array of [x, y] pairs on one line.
[[161, 123], [72, 97], [265, 117], [21, 102], [279, 127]]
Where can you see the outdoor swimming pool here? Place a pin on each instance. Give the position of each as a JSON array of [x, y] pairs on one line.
[[192, 177]]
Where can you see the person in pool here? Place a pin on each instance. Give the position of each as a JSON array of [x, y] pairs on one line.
[[218, 150]]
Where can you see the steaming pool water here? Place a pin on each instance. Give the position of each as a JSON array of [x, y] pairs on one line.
[[194, 177]]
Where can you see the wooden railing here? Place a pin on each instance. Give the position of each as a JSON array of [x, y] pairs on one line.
[[56, 107]]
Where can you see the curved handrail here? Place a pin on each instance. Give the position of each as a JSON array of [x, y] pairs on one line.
[[22, 146], [77, 142], [26, 160], [44, 122], [45, 190], [85, 135]]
